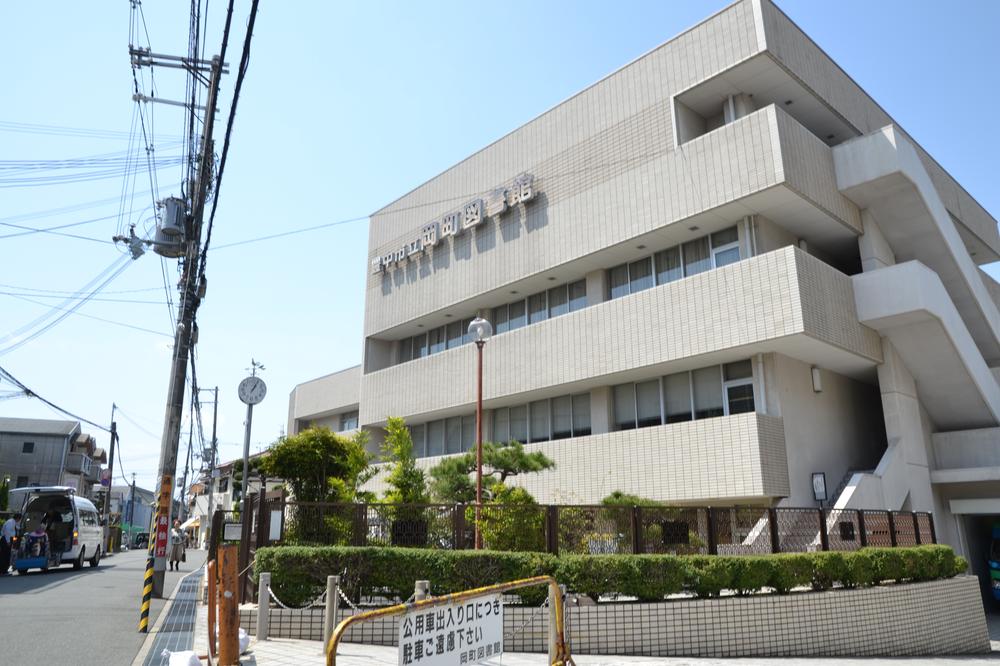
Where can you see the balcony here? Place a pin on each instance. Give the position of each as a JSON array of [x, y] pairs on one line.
[[78, 463], [785, 301], [728, 459]]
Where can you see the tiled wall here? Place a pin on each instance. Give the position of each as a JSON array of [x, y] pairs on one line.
[[942, 617]]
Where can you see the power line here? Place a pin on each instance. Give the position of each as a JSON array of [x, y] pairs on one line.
[[95, 318], [59, 130], [292, 232], [16, 382], [135, 301]]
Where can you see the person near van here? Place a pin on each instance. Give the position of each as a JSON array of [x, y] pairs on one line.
[[7, 534], [177, 539]]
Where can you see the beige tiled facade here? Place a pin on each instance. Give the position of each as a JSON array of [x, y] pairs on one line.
[[740, 123]]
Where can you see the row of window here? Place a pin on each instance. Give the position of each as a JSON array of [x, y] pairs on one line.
[[684, 396], [436, 340], [436, 438], [541, 306], [697, 256], [542, 420]]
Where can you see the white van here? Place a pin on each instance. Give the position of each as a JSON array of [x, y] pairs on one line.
[[74, 527]]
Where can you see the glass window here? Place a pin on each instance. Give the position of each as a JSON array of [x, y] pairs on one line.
[[517, 316], [618, 281], [405, 350], [435, 438], [558, 303], [737, 370], [500, 323], [640, 275], [624, 397], [436, 340], [562, 417], [647, 403], [420, 345], [468, 432], [519, 423], [417, 435], [581, 414], [348, 421], [696, 257], [539, 420], [739, 398], [668, 265], [677, 388], [707, 392], [725, 247], [454, 334], [577, 295], [501, 425], [466, 338], [453, 434], [537, 308], [28, 447]]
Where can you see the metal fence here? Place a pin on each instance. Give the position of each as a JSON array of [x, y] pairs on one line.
[[583, 529]]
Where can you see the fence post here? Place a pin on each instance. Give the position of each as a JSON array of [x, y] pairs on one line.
[[638, 545], [824, 537], [360, 527], [229, 621], [246, 506], [552, 528], [458, 526], [332, 608], [892, 529], [930, 522], [772, 519], [862, 530], [421, 590], [263, 605], [263, 522], [713, 547], [216, 534], [916, 528]]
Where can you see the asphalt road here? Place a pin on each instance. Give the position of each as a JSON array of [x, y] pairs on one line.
[[81, 617]]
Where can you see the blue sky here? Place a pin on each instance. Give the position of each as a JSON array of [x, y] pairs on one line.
[[347, 106]]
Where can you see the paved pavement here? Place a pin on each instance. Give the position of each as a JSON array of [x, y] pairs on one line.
[[81, 617], [292, 652]]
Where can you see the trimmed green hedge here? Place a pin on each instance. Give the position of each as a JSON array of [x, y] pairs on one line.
[[298, 573]]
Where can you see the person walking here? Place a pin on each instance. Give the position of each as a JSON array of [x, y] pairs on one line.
[[176, 546], [7, 534]]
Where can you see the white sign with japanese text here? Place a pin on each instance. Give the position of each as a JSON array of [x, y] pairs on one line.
[[468, 632]]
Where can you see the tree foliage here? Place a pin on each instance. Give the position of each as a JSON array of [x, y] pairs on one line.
[[451, 477], [320, 465], [406, 481]]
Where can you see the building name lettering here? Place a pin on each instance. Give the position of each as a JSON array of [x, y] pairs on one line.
[[455, 223]]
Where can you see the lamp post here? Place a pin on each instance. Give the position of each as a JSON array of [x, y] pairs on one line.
[[480, 331]]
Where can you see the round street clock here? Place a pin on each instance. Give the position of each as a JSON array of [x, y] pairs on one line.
[[252, 390]]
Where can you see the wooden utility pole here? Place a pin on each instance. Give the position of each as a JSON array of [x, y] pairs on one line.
[[111, 481]]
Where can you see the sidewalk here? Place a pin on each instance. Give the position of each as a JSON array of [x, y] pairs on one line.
[[175, 626], [292, 652]]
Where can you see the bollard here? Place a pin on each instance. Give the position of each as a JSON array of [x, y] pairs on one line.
[[213, 601], [554, 623], [332, 606], [263, 605], [229, 620], [421, 590]]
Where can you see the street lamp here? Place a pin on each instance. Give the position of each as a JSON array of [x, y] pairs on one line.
[[480, 331]]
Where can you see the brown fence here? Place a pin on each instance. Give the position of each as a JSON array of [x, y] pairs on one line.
[[583, 529]]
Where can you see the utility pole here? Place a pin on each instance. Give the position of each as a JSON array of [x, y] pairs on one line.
[[131, 511], [211, 468], [111, 478], [184, 334], [187, 458]]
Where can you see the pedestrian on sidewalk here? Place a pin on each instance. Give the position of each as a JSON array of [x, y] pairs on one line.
[[7, 533], [177, 539]]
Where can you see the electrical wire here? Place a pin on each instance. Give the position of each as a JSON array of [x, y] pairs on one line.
[[59, 130], [92, 298], [95, 318], [16, 382]]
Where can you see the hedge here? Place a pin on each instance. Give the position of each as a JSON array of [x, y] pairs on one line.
[[298, 573]]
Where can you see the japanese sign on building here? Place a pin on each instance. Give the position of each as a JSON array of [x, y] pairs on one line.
[[455, 223], [464, 632]]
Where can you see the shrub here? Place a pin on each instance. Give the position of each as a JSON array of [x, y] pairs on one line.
[[298, 573], [961, 566]]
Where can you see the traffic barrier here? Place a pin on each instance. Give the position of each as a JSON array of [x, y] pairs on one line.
[[147, 594]]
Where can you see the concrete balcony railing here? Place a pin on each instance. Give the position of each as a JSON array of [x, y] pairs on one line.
[[727, 459], [714, 317]]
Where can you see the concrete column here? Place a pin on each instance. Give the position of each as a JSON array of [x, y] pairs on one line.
[[597, 287], [906, 426], [332, 607], [263, 605], [874, 248]]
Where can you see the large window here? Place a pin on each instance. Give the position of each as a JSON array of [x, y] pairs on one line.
[[691, 258], [453, 434], [543, 420], [683, 396], [577, 295], [348, 421]]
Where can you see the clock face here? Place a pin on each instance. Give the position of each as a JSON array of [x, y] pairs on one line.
[[252, 390]]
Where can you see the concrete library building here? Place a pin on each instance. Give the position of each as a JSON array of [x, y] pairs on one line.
[[721, 275]]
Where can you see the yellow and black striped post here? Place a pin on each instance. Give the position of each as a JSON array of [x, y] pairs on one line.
[[147, 594]]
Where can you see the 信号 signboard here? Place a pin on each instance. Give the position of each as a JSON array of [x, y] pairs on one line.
[[463, 632]]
